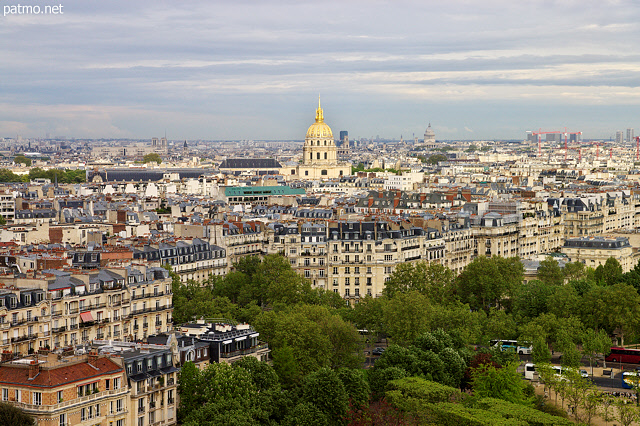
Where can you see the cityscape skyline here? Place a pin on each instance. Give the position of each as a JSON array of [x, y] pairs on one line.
[[253, 70]]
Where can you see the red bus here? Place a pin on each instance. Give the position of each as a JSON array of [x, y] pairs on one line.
[[631, 356]]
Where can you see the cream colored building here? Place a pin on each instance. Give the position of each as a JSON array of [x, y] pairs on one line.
[[319, 154], [594, 251]]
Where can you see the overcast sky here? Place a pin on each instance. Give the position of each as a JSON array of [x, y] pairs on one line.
[[253, 69]]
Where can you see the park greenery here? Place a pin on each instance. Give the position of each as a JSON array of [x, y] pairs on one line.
[[432, 320], [12, 415], [152, 157], [63, 176]]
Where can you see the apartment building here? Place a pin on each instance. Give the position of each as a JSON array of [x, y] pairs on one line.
[[594, 251], [351, 258], [25, 320], [192, 259], [238, 238], [87, 389], [63, 308], [153, 381]]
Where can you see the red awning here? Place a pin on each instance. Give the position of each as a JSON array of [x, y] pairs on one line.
[[86, 317]]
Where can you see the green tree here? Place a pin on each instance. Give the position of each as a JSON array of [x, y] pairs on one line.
[[611, 271], [21, 159], [223, 394], [436, 158], [626, 413], [431, 279], [368, 314], [11, 415], [318, 338], [501, 383], [614, 308], [531, 299], [595, 343], [9, 176], [324, 389], [356, 386], [188, 386], [550, 273], [574, 271], [486, 282], [570, 354], [564, 302], [152, 157], [407, 315], [499, 325], [578, 388], [306, 414], [541, 353]]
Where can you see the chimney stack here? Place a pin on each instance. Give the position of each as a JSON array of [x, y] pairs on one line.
[[92, 358], [34, 368]]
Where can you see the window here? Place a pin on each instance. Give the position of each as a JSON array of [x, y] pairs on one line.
[[347, 270], [368, 269], [346, 292], [63, 420], [324, 172], [5, 394], [60, 396], [83, 414], [357, 281], [388, 257], [335, 270], [347, 281], [119, 405], [107, 384]]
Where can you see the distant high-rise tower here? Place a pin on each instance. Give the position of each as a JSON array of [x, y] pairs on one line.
[[344, 138], [619, 137], [630, 135]]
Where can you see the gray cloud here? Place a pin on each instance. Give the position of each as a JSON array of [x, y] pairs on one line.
[[252, 69]]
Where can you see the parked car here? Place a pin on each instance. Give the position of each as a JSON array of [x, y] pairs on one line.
[[377, 351]]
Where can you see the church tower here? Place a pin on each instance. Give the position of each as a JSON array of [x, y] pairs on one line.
[[319, 147]]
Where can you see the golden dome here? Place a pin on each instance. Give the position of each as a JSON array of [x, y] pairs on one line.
[[319, 129]]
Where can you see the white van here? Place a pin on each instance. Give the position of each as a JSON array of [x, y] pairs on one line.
[[530, 372]]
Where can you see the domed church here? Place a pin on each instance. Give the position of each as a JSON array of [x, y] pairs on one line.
[[319, 154]]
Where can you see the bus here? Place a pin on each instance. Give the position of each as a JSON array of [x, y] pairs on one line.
[[631, 356], [512, 346], [630, 380]]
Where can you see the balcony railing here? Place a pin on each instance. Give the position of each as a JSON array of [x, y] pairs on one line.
[[70, 403], [242, 352]]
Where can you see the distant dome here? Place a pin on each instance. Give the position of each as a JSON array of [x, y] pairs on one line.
[[319, 129], [429, 134]]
